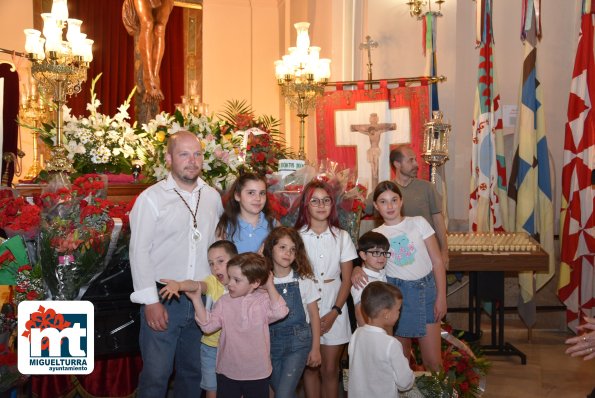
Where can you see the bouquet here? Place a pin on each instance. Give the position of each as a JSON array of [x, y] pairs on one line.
[[463, 370], [285, 193], [98, 142], [29, 284], [17, 216], [74, 237]]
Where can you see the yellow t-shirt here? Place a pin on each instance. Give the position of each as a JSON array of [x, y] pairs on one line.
[[215, 290]]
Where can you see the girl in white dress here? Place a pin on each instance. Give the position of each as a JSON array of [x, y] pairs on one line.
[[331, 253]]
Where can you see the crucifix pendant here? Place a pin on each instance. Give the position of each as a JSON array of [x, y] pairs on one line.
[[196, 235]]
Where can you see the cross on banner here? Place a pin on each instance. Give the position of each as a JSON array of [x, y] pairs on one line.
[[372, 128]]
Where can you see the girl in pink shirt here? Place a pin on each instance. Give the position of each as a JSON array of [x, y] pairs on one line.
[[243, 359]]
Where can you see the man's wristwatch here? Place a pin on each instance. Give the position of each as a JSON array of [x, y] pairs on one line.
[[337, 308]]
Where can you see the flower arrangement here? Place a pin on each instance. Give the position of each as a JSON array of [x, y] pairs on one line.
[[98, 142], [29, 284], [263, 143], [74, 236], [17, 216], [220, 148], [234, 140], [463, 369]]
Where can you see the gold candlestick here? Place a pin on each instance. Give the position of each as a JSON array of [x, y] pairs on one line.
[[34, 111]]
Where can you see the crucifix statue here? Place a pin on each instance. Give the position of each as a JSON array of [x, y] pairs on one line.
[[369, 44], [374, 131], [146, 20]]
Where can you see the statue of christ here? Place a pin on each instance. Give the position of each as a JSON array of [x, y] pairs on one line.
[[374, 131]]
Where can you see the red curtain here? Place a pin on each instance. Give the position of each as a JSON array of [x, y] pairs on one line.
[[113, 55]]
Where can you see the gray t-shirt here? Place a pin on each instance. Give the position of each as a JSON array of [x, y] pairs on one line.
[[420, 198]]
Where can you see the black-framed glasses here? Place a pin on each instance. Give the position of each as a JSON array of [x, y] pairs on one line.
[[378, 254], [317, 202]]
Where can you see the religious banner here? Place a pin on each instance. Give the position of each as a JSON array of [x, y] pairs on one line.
[[358, 128], [530, 186], [577, 238], [488, 207]]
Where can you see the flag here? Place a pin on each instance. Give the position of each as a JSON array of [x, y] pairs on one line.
[[488, 205], [576, 287], [530, 187], [429, 46]]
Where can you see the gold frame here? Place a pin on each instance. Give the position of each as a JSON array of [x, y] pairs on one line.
[[194, 4]]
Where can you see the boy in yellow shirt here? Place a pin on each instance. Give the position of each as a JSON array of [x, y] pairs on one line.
[[213, 287]]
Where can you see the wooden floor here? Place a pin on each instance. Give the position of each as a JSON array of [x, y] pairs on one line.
[[548, 372]]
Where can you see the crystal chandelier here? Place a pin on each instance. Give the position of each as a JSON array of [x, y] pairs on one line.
[[302, 75], [59, 66]]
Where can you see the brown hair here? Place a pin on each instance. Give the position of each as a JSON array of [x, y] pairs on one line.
[[301, 265], [228, 223], [378, 296], [397, 155], [253, 267], [228, 246]]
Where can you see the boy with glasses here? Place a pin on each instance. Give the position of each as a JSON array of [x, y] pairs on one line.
[[372, 248]]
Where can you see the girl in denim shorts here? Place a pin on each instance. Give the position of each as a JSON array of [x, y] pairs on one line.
[[295, 340], [416, 268]]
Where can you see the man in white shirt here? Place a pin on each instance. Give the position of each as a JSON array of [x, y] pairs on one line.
[[173, 224]]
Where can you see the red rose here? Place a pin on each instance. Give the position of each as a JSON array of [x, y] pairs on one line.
[[32, 295], [464, 387], [461, 367], [25, 267]]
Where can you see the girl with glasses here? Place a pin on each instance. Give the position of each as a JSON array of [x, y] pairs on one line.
[[331, 253], [416, 268]]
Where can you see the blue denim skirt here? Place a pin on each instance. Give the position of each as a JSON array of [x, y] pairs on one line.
[[419, 297]]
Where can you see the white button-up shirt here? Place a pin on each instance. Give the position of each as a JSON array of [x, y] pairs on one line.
[[162, 244], [327, 251]]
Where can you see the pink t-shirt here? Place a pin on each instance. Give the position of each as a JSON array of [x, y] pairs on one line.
[[244, 345]]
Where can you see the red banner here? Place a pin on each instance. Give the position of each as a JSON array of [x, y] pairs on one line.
[[384, 117]]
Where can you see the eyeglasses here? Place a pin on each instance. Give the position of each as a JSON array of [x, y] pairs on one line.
[[324, 202], [378, 254]]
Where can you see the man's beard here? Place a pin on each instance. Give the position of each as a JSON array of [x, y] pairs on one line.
[[189, 177]]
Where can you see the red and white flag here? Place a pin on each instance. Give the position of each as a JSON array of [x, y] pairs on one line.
[[576, 287]]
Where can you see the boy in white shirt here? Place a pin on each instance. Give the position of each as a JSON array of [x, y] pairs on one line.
[[377, 366], [372, 248]]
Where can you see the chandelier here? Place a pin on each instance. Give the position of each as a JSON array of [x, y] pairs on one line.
[[59, 66], [191, 102], [302, 75], [416, 7]]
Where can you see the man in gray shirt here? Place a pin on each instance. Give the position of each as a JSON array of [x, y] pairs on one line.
[[420, 198]]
